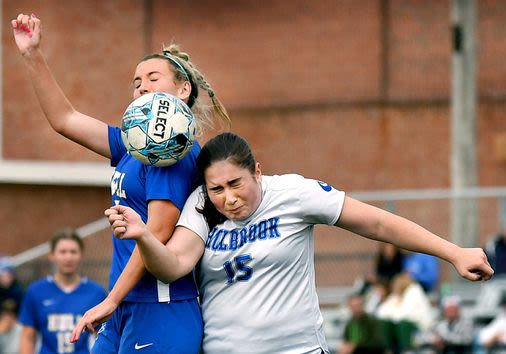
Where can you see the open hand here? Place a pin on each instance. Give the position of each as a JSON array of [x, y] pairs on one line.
[[92, 318]]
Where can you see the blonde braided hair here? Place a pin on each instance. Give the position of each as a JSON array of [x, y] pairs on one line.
[[184, 70]]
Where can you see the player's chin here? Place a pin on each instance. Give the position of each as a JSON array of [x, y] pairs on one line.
[[236, 216], [67, 271]]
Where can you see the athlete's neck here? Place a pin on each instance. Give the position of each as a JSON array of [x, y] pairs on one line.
[[67, 282]]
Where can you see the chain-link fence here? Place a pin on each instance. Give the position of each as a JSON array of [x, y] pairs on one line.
[[342, 259]]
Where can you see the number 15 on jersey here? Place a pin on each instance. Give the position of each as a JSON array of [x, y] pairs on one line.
[[237, 269]]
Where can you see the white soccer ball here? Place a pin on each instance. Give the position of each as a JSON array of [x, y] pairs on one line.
[[158, 129]]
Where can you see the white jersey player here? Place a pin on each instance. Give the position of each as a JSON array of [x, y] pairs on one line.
[[253, 236], [257, 275]]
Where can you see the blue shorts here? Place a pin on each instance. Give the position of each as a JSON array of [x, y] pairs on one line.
[[154, 327]]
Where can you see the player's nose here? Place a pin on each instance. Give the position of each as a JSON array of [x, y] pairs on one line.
[[144, 88], [230, 197]]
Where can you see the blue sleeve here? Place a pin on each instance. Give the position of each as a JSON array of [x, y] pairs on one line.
[[27, 315], [116, 145]]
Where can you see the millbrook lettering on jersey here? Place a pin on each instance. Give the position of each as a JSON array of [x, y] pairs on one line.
[[231, 240]]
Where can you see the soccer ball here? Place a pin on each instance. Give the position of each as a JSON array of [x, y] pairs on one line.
[[158, 129]]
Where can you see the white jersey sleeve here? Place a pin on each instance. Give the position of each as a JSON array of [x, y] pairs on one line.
[[320, 203], [191, 218]]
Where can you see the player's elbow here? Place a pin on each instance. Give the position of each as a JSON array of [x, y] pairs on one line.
[[168, 277], [169, 273], [162, 275], [61, 122]]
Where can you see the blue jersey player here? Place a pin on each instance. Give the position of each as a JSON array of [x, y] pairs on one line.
[[52, 306], [253, 235], [141, 312]]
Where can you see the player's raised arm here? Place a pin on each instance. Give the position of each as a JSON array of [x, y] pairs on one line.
[[64, 119], [377, 224]]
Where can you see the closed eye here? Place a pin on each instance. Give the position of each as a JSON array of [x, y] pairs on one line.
[[155, 75], [216, 189], [235, 182]]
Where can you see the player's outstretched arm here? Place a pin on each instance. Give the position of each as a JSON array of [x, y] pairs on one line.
[[377, 224], [167, 262], [64, 119]]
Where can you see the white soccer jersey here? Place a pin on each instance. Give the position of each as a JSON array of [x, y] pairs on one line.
[[257, 277]]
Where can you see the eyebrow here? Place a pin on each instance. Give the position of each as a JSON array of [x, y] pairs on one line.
[[232, 181], [215, 188], [149, 74]]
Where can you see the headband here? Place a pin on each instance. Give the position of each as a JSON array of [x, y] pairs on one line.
[[167, 55]]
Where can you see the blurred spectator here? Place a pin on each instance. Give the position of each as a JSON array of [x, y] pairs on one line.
[[388, 262], [10, 288], [406, 311], [53, 305], [494, 334], [362, 332], [10, 329], [495, 249], [375, 295], [11, 295], [453, 334], [423, 268]]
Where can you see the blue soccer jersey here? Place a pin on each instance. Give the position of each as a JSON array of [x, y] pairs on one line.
[[135, 184], [54, 313]]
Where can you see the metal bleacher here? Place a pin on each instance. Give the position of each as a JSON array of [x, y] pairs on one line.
[[487, 301], [335, 313], [479, 302]]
